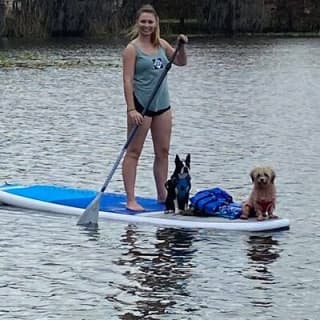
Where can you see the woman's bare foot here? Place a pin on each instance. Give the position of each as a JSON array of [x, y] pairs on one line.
[[134, 206]]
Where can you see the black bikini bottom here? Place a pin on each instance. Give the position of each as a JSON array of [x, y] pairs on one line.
[[149, 113]]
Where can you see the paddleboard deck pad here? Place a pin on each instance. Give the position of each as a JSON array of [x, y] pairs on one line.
[[73, 201]]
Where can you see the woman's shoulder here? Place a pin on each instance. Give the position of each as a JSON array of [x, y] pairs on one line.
[[131, 45], [131, 48]]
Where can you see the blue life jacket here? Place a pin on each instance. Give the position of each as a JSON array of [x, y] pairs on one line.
[[215, 202]]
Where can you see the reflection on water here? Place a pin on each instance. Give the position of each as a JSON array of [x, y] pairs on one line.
[[157, 273], [93, 233], [262, 251]]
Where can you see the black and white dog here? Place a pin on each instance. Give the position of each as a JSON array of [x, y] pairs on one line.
[[178, 186]]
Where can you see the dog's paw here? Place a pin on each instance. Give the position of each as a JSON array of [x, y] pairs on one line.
[[244, 216], [260, 218]]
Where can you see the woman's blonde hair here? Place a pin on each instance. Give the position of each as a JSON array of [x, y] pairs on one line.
[[155, 37]]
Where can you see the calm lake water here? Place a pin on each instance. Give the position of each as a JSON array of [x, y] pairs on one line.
[[238, 103]]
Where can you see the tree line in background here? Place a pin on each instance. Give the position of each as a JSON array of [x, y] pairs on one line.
[[49, 18]]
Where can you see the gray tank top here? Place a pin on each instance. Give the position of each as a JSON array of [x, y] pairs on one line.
[[148, 69]]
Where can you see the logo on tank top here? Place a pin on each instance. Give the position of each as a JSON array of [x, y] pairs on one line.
[[157, 63]]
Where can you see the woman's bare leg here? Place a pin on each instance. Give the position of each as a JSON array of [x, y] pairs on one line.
[[161, 134], [130, 163]]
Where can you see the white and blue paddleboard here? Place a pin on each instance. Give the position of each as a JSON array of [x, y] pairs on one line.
[[73, 201]]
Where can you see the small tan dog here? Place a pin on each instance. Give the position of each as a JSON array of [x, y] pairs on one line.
[[262, 200]]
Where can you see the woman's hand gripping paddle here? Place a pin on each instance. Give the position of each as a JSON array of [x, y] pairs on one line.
[[90, 215]]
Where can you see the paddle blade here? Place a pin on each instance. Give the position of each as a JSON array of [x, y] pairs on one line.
[[90, 216]]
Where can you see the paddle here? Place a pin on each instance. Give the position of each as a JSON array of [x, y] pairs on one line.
[[91, 214]]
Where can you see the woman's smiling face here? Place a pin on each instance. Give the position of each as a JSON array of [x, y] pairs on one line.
[[146, 23]]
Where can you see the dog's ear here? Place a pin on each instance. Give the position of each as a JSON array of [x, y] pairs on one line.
[[177, 159], [188, 160], [253, 174], [272, 175]]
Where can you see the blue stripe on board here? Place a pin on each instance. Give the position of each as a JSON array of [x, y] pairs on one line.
[[80, 198]]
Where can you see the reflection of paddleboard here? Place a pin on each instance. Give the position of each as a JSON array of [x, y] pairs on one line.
[[73, 201]]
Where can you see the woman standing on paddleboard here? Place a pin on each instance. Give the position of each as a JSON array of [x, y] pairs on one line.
[[144, 60]]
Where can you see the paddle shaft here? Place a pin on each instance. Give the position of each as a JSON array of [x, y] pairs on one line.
[[136, 127]]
